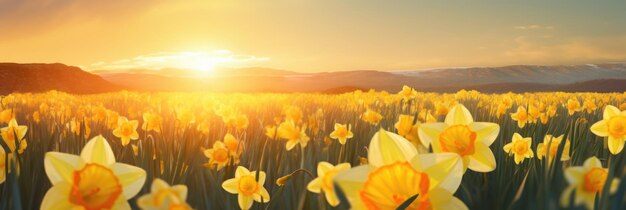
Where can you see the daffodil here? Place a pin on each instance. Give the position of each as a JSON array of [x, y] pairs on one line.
[[293, 134], [461, 135], [92, 180], [589, 106], [573, 106], [151, 122], [324, 181], [218, 155], [14, 133], [433, 178], [612, 126], [586, 181], [407, 93], [407, 127], [126, 130], [519, 148], [371, 117], [521, 116], [395, 172], [248, 187], [233, 144], [543, 150], [342, 133], [162, 196]]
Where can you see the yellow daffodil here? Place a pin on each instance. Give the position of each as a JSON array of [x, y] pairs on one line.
[[162, 196], [407, 93], [434, 178], [407, 127], [246, 186], [324, 181], [233, 144], [92, 180], [371, 117], [270, 131], [75, 126], [612, 126], [573, 106], [461, 135], [543, 150], [586, 181], [342, 133], [293, 134], [589, 106], [14, 133], [151, 122], [387, 147], [7, 115], [519, 148], [126, 130], [521, 116], [218, 155]]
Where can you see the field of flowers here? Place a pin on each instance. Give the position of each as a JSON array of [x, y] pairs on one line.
[[359, 150]]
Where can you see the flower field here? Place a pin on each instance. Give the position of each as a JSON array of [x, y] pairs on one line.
[[358, 150]]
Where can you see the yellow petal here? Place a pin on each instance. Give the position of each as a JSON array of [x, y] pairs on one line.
[[331, 198], [445, 170], [158, 184], [386, 148], [181, 190], [592, 162], [121, 204], [290, 144], [57, 197], [132, 178], [574, 175], [482, 160], [59, 166], [459, 115], [262, 194], [601, 128], [315, 185], [98, 150], [351, 182], [566, 195], [615, 145], [429, 132], [245, 202], [609, 112], [486, 132], [241, 171], [231, 185], [323, 167], [261, 177]]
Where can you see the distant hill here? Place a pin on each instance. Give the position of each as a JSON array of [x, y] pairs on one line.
[[579, 78], [519, 78], [43, 77]]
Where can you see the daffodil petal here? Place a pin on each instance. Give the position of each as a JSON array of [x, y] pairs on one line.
[[59, 166], [181, 190], [609, 112], [429, 132], [592, 162], [486, 132], [98, 150], [444, 169], [615, 145], [601, 128], [121, 204], [261, 177], [56, 197], [241, 171], [453, 204], [245, 202], [386, 148], [351, 182], [315, 185], [459, 115], [574, 175], [482, 160], [230, 186], [132, 178], [331, 198], [323, 167], [158, 184]]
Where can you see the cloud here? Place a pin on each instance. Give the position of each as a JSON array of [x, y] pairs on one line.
[[181, 60], [572, 50], [533, 27]]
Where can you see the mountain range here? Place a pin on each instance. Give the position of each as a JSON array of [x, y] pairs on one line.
[[609, 77]]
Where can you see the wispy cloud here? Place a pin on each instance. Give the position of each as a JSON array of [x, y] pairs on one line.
[[182, 60], [534, 27]]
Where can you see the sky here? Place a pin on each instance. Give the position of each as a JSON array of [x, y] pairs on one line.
[[311, 36]]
